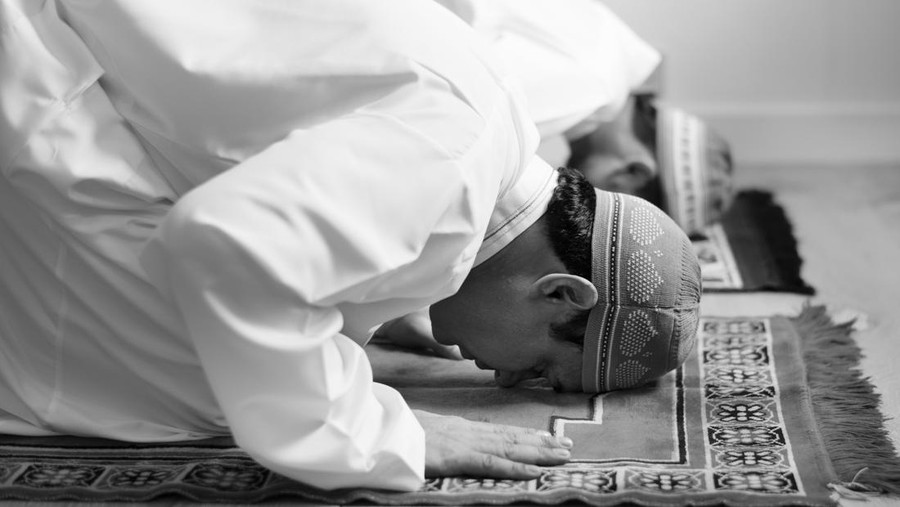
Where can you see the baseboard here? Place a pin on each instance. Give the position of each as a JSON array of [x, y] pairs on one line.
[[804, 133]]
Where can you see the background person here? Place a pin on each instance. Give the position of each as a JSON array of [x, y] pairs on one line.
[[583, 70]]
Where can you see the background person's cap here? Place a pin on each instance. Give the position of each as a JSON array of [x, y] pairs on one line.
[[695, 167]]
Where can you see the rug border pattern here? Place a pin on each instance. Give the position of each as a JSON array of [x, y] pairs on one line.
[[745, 420]]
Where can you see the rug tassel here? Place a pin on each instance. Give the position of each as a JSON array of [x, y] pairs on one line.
[[854, 490], [846, 407], [772, 223]]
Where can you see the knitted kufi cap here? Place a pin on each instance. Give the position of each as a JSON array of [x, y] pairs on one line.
[[648, 280], [695, 169]]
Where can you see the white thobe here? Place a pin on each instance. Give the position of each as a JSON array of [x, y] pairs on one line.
[[206, 207]]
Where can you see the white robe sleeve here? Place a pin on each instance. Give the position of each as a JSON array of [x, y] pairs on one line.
[[258, 259]]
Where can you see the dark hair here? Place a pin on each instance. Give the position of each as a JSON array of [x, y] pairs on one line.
[[570, 223]]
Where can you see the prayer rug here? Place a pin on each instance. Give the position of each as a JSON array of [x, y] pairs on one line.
[[752, 249], [736, 425]]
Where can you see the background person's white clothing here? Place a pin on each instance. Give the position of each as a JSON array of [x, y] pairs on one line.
[[578, 62], [329, 171]]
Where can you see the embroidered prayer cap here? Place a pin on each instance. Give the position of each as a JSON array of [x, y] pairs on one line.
[[648, 281], [695, 169]]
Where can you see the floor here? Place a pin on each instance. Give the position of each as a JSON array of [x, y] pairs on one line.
[[847, 222]]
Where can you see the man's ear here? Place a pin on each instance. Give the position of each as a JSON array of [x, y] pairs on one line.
[[575, 291]]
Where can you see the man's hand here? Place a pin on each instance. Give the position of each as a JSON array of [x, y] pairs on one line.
[[414, 331], [457, 446]]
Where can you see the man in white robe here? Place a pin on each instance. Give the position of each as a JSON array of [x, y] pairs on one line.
[[208, 207]]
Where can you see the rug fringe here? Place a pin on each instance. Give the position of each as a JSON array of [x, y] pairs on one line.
[[846, 405], [772, 223]]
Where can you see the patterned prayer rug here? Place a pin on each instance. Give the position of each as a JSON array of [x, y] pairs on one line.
[[752, 249], [735, 425]]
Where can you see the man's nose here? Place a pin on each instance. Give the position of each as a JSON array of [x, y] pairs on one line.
[[511, 378]]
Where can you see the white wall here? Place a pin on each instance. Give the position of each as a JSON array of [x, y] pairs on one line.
[[783, 80]]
